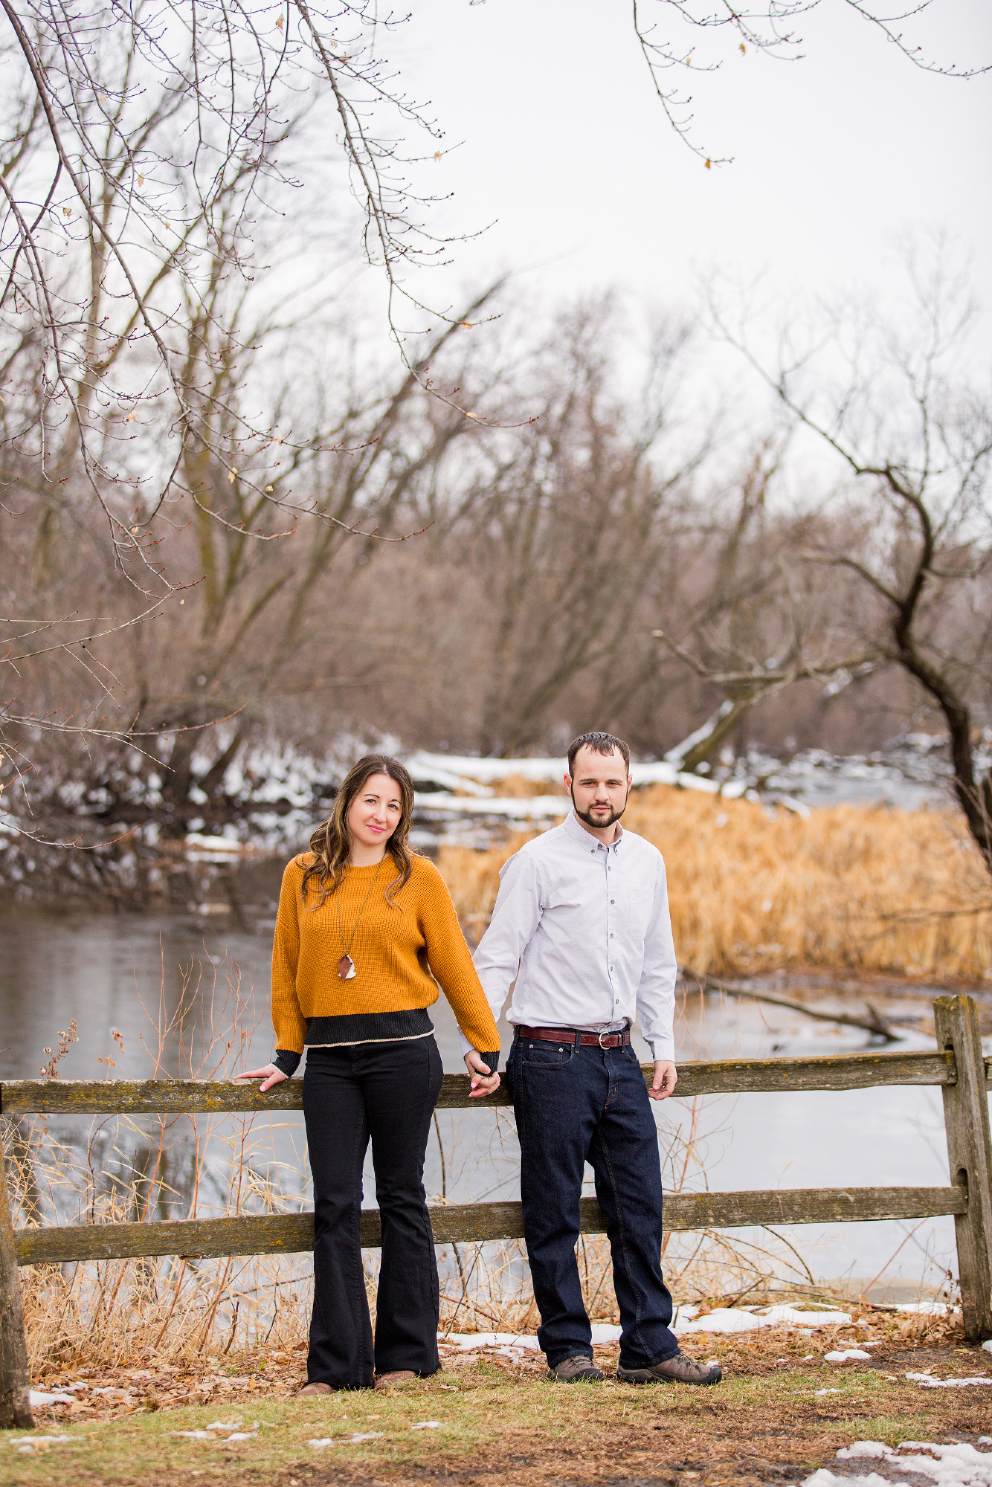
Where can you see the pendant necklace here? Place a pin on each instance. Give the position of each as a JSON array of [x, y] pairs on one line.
[[346, 966]]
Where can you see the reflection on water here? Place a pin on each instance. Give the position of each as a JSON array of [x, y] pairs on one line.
[[186, 999], [133, 973]]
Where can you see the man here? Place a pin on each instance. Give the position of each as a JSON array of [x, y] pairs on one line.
[[582, 924]]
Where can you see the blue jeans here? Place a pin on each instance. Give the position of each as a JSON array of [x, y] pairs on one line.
[[575, 1104]]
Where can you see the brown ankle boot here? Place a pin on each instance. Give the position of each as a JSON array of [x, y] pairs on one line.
[[399, 1376], [579, 1369], [679, 1368]]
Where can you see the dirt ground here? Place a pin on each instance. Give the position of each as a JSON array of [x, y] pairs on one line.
[[781, 1411]]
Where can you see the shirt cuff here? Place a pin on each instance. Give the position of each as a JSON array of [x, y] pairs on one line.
[[287, 1062], [662, 1048]]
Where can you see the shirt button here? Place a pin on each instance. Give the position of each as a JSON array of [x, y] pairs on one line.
[[612, 900], [611, 934]]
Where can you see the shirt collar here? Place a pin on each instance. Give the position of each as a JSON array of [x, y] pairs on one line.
[[578, 833]]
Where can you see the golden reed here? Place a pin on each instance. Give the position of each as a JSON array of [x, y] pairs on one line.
[[757, 888]]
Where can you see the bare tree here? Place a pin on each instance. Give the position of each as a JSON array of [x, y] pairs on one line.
[[153, 242], [262, 607], [139, 157], [150, 137], [906, 538], [565, 521], [149, 158], [262, 615], [669, 46], [747, 620]]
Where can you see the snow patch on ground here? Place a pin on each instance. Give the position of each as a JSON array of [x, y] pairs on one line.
[[722, 1319], [743, 1319], [959, 1465], [927, 1381], [468, 1340], [686, 1321], [26, 1445], [825, 1478]]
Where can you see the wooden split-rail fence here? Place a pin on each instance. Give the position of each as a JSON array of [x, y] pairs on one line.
[[958, 1067]]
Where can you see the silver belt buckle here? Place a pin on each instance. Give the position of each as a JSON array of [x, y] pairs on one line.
[[601, 1036]]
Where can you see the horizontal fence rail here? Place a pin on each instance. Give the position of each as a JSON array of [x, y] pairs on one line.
[[285, 1234], [719, 1077], [958, 1068]]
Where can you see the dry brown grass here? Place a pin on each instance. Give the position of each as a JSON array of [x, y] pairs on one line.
[[500, 1424], [191, 1315], [473, 881], [756, 889], [519, 787]]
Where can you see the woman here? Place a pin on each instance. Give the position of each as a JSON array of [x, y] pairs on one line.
[[362, 925]]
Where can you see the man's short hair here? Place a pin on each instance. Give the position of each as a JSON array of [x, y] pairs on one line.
[[600, 743]]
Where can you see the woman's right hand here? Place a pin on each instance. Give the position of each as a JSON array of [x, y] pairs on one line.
[[483, 1083], [270, 1074]]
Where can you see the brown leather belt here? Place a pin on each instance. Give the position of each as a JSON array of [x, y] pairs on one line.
[[574, 1036]]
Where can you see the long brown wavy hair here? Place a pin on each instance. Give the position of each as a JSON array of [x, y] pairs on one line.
[[331, 842]]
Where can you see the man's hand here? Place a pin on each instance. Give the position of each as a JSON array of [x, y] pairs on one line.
[[666, 1077], [483, 1083], [270, 1074]]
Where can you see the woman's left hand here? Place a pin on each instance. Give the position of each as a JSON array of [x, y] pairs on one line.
[[483, 1083]]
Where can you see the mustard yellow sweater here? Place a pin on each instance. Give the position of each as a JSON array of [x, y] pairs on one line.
[[396, 948]]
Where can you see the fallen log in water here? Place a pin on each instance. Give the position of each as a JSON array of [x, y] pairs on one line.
[[874, 1023]]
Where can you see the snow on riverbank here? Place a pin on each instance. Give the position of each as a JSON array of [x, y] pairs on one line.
[[910, 773]]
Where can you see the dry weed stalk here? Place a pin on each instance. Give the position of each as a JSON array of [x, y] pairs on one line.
[[184, 1311], [112, 1313], [755, 889]]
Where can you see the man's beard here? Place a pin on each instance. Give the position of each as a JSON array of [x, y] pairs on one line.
[[590, 820]]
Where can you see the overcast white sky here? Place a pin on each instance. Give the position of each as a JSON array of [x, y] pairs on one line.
[[835, 157]]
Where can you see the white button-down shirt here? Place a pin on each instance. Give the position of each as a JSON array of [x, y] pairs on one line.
[[586, 932]]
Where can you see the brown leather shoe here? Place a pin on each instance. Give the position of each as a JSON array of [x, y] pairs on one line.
[[680, 1368], [399, 1376], [316, 1389]]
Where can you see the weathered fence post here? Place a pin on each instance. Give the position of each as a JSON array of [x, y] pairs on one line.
[[15, 1380], [969, 1151]]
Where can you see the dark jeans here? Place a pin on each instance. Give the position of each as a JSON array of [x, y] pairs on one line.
[[573, 1105], [386, 1091]]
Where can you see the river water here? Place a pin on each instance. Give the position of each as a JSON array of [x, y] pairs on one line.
[[131, 973]]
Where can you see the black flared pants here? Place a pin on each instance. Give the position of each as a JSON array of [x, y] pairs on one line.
[[385, 1092]]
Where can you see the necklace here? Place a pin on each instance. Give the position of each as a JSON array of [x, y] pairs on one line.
[[346, 966]]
